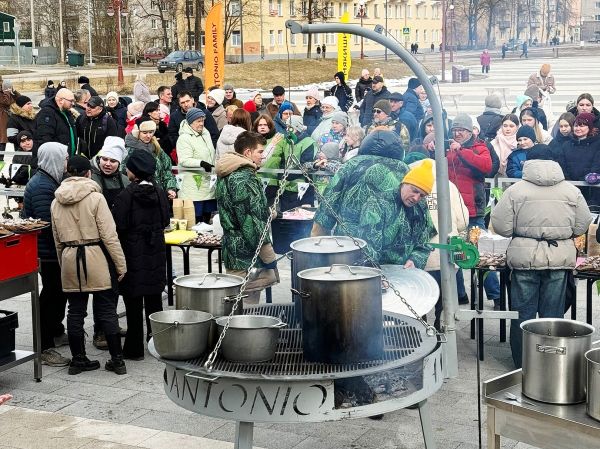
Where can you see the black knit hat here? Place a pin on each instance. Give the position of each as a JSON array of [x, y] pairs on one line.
[[78, 164], [22, 100], [142, 164], [83, 80], [526, 131]]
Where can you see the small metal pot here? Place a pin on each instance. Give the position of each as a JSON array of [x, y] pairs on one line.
[[593, 383], [553, 359], [214, 293], [180, 334], [250, 338], [341, 314]]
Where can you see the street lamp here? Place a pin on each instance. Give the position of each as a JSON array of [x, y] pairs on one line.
[[444, 39], [17, 29], [117, 8], [89, 20], [361, 14], [451, 7]]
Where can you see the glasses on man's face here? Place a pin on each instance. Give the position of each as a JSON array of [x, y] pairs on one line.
[[377, 111], [70, 100]]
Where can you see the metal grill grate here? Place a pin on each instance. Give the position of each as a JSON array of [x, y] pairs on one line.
[[405, 341]]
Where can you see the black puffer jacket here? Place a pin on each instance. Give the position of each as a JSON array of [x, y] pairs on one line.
[[312, 117], [362, 87], [93, 131], [342, 92], [595, 111], [141, 213], [489, 124], [38, 197], [194, 85], [119, 115], [579, 158], [19, 120], [52, 125]]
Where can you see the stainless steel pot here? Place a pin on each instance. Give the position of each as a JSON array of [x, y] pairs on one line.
[[213, 293], [250, 338], [553, 359], [341, 314], [180, 334], [316, 252], [593, 383]]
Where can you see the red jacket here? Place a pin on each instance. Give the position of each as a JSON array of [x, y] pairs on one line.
[[467, 169], [485, 58]]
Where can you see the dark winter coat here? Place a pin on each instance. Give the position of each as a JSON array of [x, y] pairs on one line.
[[412, 104], [54, 125], [19, 120], [93, 131], [595, 111], [49, 92], [489, 124], [311, 118], [209, 123], [37, 199], [516, 159], [362, 87], [579, 158], [342, 92], [194, 85], [408, 120], [176, 89], [119, 115], [366, 107], [90, 89], [467, 167], [141, 213]]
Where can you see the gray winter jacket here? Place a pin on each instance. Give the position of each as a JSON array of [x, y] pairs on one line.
[[542, 213]]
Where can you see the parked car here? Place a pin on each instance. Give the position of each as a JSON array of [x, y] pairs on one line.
[[153, 54], [179, 60]]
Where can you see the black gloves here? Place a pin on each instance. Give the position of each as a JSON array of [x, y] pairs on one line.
[[206, 166]]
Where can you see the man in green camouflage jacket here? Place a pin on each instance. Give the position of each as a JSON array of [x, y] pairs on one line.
[[382, 202], [243, 213]]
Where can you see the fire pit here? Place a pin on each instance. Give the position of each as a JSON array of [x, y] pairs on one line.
[[289, 389]]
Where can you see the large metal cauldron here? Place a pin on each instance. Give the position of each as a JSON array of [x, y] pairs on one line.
[[213, 293], [316, 252], [341, 314], [554, 365]]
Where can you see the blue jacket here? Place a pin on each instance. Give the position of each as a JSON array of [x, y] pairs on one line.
[[409, 121], [39, 194], [412, 104], [514, 163]]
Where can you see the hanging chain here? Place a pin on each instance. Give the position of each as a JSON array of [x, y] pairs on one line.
[[429, 329], [213, 355]]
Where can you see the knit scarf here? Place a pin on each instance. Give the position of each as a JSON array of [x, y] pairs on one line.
[[504, 145]]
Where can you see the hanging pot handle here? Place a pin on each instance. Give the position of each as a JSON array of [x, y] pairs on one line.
[[175, 324], [348, 267], [299, 293], [334, 239], [594, 343], [290, 255], [196, 376], [216, 276], [232, 298], [279, 325]]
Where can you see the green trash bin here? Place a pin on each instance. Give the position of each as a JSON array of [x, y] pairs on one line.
[[76, 59]]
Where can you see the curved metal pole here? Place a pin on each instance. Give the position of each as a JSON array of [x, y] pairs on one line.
[[448, 278]]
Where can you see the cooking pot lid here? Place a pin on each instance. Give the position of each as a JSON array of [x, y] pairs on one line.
[[339, 272], [208, 281], [328, 244], [416, 286]]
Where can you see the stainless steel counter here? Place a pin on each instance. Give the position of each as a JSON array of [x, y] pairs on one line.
[[546, 426]]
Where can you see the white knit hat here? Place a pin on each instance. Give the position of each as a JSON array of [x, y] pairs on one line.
[[113, 148], [218, 95], [331, 101], [313, 91], [112, 94]]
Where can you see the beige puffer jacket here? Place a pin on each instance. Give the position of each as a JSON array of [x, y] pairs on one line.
[[542, 213], [459, 221], [81, 216]]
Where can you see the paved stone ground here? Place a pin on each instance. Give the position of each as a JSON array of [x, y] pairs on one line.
[[100, 410]]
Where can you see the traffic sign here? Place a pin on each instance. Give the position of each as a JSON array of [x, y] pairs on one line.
[[406, 30]]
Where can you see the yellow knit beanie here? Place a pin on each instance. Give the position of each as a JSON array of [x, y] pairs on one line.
[[421, 176]]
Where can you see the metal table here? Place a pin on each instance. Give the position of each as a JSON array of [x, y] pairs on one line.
[[10, 288], [289, 389], [547, 426], [590, 278]]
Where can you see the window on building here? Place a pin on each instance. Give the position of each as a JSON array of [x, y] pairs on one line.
[[416, 35], [304, 8], [235, 8], [424, 35], [330, 38], [279, 8], [292, 8], [597, 17], [376, 11], [330, 10], [166, 24], [340, 9], [316, 39], [356, 39], [597, 5], [345, 7], [191, 39], [418, 12], [236, 38], [292, 39], [202, 39], [280, 37], [153, 24], [271, 38], [424, 12], [189, 8], [305, 39], [408, 12]]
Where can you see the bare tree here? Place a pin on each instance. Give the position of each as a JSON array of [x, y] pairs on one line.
[[314, 11], [164, 11]]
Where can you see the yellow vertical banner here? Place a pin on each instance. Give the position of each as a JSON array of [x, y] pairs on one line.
[[344, 55], [214, 53]]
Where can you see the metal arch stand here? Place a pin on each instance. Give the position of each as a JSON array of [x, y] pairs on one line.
[[448, 280]]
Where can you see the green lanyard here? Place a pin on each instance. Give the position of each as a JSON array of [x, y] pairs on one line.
[[72, 134]]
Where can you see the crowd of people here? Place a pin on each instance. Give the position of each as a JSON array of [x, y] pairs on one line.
[[100, 170]]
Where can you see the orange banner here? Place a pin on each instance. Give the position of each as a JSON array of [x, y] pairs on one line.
[[214, 53]]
